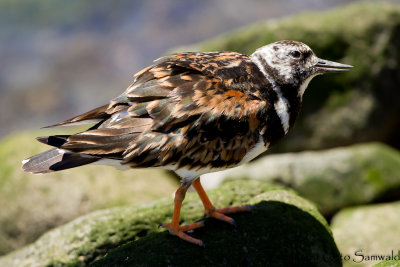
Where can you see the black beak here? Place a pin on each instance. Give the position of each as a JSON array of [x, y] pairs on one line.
[[326, 66]]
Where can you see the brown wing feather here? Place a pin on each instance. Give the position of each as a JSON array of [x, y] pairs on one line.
[[234, 70], [201, 122], [190, 110]]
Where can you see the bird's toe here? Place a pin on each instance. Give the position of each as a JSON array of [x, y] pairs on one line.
[[180, 232]]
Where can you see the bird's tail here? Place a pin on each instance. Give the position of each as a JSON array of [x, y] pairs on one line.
[[56, 159]]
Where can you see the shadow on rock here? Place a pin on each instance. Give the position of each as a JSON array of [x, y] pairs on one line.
[[273, 234]]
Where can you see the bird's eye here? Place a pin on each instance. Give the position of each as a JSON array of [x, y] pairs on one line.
[[295, 54]]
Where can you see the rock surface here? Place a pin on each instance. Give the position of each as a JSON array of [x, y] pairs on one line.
[[358, 106], [388, 263], [333, 178], [368, 234], [283, 228], [32, 204]]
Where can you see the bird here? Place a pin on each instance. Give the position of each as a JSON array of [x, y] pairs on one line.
[[193, 113]]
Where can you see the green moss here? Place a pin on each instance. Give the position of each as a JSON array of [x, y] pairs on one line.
[[388, 263], [282, 225], [374, 177], [274, 233], [267, 235], [332, 178]]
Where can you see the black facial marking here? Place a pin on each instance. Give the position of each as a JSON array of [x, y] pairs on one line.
[[307, 54], [273, 73], [289, 89]]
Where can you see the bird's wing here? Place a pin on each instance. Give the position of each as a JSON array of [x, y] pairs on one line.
[[189, 109], [234, 70]]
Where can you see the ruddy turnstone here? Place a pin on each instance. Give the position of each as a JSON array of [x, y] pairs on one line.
[[193, 113]]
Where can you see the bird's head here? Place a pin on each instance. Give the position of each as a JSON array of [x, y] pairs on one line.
[[293, 63]]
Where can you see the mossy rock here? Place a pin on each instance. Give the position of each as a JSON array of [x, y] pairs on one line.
[[388, 263], [369, 234], [282, 230], [341, 109], [333, 178], [33, 204]]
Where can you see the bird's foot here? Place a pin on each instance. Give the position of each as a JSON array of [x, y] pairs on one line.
[[220, 213], [180, 232]]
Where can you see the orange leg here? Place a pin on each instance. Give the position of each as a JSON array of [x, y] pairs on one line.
[[174, 227], [211, 211]]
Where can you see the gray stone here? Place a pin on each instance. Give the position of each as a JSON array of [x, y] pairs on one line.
[[333, 178], [369, 234]]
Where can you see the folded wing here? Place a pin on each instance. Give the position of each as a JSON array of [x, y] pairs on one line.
[[185, 110]]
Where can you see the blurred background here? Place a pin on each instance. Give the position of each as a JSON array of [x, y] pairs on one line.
[[62, 58]]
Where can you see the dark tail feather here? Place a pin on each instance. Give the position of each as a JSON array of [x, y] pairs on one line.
[[56, 160], [53, 140]]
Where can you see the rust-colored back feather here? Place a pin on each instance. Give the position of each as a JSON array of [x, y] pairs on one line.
[[188, 110]]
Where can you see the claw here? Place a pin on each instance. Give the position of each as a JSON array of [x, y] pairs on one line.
[[180, 232], [202, 244], [220, 213]]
